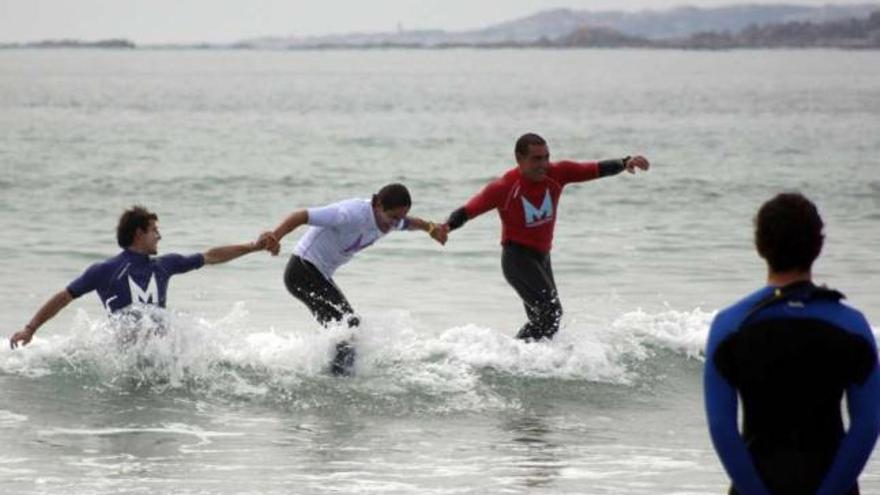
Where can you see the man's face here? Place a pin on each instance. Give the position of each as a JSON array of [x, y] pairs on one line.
[[533, 165], [386, 219], [149, 239]]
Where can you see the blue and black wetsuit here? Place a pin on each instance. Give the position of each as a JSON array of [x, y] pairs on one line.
[[130, 277], [790, 354]]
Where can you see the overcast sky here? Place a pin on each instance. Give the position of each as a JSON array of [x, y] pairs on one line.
[[156, 21]]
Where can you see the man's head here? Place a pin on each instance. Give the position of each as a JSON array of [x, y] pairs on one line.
[[390, 205], [788, 233], [137, 230], [532, 156]]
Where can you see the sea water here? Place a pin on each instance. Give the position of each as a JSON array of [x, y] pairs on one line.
[[224, 144]]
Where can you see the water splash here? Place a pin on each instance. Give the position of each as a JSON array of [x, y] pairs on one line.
[[399, 368]]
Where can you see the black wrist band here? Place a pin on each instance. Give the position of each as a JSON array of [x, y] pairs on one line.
[[611, 167], [457, 218]]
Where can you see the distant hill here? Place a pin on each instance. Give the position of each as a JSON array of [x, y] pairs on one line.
[[685, 21], [742, 26], [599, 38], [112, 43], [676, 23], [849, 33]]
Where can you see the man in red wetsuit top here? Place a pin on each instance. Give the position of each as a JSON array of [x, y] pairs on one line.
[[527, 198]]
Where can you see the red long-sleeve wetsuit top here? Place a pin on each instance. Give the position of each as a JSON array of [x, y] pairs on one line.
[[527, 208]]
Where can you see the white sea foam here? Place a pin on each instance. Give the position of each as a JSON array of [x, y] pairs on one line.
[[202, 437], [397, 364], [680, 331]]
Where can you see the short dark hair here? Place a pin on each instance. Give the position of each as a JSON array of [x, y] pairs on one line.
[[526, 140], [133, 219], [392, 196], [788, 232]]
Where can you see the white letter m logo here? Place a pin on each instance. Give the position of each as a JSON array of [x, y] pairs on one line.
[[538, 216], [149, 296]]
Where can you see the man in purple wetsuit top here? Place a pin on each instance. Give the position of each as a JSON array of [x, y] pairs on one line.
[[134, 276]]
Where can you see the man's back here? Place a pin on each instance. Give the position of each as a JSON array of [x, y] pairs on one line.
[[130, 277], [791, 361]]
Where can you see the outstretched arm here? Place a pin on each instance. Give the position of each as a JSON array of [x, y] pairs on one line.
[[618, 165], [456, 219], [288, 225], [485, 200], [580, 172], [222, 254], [51, 307], [437, 232]]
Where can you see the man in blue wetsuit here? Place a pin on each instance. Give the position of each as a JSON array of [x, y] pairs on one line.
[[133, 276], [790, 351]]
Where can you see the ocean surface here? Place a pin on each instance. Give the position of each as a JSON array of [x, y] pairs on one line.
[[224, 144]]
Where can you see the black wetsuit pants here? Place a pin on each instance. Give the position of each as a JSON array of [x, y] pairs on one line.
[[531, 276], [326, 302]]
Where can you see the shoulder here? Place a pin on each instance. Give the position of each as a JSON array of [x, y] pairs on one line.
[[168, 261], [832, 311], [178, 263], [740, 308], [564, 166], [728, 319], [351, 206], [94, 276], [353, 203], [106, 266], [570, 171], [166, 258], [338, 205], [496, 186], [506, 181], [361, 209], [359, 204], [338, 213], [510, 176], [844, 317]]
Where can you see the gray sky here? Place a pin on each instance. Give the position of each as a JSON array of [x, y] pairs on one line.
[[154, 21]]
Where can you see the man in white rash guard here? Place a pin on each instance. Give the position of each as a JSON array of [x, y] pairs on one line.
[[336, 232]]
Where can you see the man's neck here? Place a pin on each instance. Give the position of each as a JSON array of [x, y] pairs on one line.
[[532, 179], [781, 279], [139, 250]]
